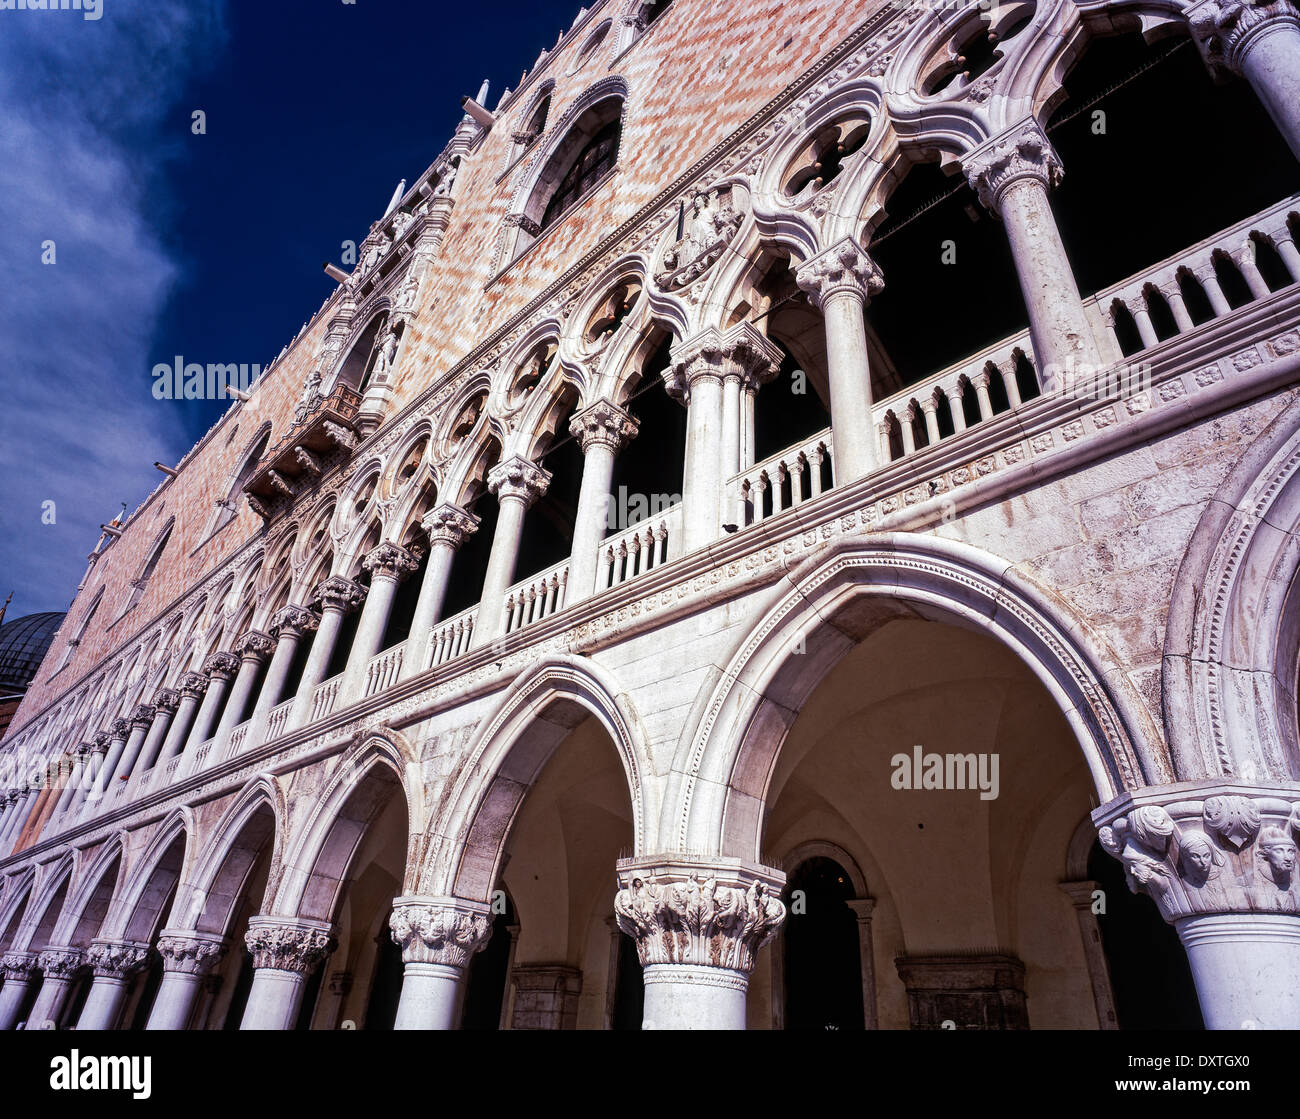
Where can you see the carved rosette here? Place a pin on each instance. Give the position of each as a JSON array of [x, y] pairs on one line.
[[62, 963], [604, 424], [390, 561], [116, 959], [518, 478], [194, 685], [339, 593], [221, 666], [439, 930], [1226, 853], [741, 353], [167, 699], [190, 953], [142, 717], [449, 525], [296, 620], [1225, 30], [698, 913], [19, 966], [1021, 154], [844, 268], [288, 945], [255, 645]]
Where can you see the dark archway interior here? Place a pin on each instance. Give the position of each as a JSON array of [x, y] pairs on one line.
[[651, 464], [489, 972], [823, 973], [386, 988]]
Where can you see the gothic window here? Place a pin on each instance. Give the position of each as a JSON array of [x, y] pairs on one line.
[[228, 506], [591, 45], [976, 49], [825, 156], [592, 162], [75, 639], [141, 581]]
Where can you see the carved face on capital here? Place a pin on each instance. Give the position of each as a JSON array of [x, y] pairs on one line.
[[1198, 856], [1278, 850]]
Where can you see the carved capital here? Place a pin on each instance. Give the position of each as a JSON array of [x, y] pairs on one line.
[[255, 645], [192, 953], [142, 717], [120, 731], [294, 619], [844, 267], [116, 959], [518, 478], [62, 963], [1220, 849], [1225, 30], [339, 593], [102, 739], [19, 966], [194, 684], [391, 561], [288, 945], [449, 525], [688, 912], [603, 424], [1021, 154], [221, 666], [439, 930], [741, 353], [167, 699]]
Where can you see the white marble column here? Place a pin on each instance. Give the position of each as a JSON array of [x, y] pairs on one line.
[[188, 957], [165, 704], [698, 925], [193, 686], [1221, 867], [516, 483], [1012, 174], [700, 367], [253, 647], [94, 768], [334, 598], [388, 565], [60, 968], [19, 970], [840, 281], [113, 964], [286, 951], [602, 430], [141, 720], [220, 669], [288, 627], [438, 936], [1261, 43], [448, 527], [21, 808], [79, 758]]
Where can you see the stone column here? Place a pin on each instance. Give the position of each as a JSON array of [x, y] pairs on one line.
[[112, 963], [333, 598], [448, 527], [1081, 897], [253, 648], [1221, 867], [220, 669], [1012, 174], [288, 628], [698, 926], [388, 565], [437, 936], [1261, 43], [188, 958], [21, 807], [165, 704], [862, 909], [840, 281], [61, 967], [517, 483], [141, 720], [19, 970], [699, 368], [192, 689], [80, 756], [94, 771], [602, 430], [285, 951]]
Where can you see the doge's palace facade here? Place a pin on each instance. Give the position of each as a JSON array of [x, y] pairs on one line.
[[381, 712]]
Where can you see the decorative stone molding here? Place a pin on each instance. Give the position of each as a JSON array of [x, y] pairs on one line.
[[221, 666], [62, 963], [1226, 29], [143, 716], [342, 594], [1224, 849], [699, 913], [1019, 154], [844, 267], [116, 959], [191, 953], [706, 232], [286, 945], [297, 620], [439, 930], [391, 561], [741, 352], [604, 424], [449, 525], [167, 699], [518, 478], [18, 966], [255, 645], [194, 684]]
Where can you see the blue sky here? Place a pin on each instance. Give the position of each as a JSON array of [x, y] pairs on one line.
[[206, 246]]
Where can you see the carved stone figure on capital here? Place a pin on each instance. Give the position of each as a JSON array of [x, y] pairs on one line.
[[311, 398], [708, 230]]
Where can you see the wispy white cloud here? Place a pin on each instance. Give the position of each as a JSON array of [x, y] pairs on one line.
[[84, 131]]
